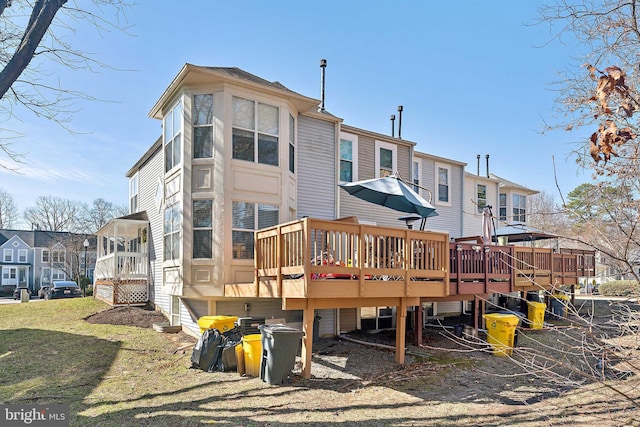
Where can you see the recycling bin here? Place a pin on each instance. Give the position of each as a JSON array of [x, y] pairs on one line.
[[280, 345], [559, 305], [536, 314], [501, 330], [221, 323], [252, 350]]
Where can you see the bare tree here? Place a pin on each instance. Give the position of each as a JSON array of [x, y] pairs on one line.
[[99, 213], [55, 214], [28, 46], [8, 210]]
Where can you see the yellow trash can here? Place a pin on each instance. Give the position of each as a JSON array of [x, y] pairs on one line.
[[536, 314], [252, 349], [501, 330], [221, 323]]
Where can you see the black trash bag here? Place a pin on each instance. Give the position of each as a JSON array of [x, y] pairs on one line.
[[207, 353], [229, 361]]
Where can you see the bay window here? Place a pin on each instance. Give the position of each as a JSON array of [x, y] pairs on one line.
[[247, 218], [202, 228]]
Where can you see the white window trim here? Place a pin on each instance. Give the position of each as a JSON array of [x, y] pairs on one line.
[[394, 156], [22, 252], [417, 165], [436, 198], [4, 255], [354, 154], [486, 189], [134, 190]]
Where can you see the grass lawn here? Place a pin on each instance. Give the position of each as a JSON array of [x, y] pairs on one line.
[[130, 376]]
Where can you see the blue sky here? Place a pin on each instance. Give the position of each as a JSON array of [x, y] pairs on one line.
[[472, 77]]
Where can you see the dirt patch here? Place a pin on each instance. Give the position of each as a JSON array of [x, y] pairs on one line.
[[142, 317]]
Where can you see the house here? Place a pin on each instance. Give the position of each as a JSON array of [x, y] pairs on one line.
[[36, 258], [236, 210]]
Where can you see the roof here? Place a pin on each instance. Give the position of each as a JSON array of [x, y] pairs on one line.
[[199, 75], [41, 238], [510, 184]]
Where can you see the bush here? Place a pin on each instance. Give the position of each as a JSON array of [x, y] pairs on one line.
[[619, 288]]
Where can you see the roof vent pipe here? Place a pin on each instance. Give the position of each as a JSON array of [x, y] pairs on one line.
[[323, 66], [478, 161], [400, 121], [486, 156], [393, 120]]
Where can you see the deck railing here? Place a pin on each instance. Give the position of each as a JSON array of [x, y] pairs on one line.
[[301, 256], [314, 258], [122, 265]]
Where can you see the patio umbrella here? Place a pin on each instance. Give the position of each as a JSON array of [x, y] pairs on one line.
[[521, 233], [486, 225], [390, 192]]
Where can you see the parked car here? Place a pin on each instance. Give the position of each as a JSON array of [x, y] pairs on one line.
[[18, 290], [42, 291], [63, 289]]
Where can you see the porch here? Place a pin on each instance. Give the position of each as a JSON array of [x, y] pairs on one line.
[[121, 275]]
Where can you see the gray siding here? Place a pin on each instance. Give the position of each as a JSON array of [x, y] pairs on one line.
[[449, 218], [316, 171], [148, 177]]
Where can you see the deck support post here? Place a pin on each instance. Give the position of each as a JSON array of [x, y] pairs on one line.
[[307, 340], [401, 330], [418, 324]]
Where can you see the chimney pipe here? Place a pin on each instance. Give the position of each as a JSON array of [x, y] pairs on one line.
[[487, 157], [323, 66], [400, 121], [393, 119], [478, 161]]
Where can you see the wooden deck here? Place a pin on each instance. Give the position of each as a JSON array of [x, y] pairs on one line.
[[314, 264]]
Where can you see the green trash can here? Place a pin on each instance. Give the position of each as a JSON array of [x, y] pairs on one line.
[[280, 345]]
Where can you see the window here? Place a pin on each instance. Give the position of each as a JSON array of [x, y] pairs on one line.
[[519, 208], [443, 188], [416, 176], [172, 125], [348, 157], [248, 217], [57, 274], [256, 131], [481, 197], [45, 255], [46, 275], [292, 144], [22, 255], [503, 207], [133, 194], [12, 273], [386, 159], [172, 219], [8, 255], [58, 256], [202, 228], [202, 126], [172, 222]]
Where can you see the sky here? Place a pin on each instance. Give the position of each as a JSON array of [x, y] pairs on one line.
[[473, 78]]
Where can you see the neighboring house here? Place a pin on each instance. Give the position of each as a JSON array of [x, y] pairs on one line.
[[239, 154], [35, 258], [512, 202]]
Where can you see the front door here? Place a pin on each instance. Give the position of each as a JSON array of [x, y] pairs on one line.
[[22, 277]]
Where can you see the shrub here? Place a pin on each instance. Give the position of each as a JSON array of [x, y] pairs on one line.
[[619, 288]]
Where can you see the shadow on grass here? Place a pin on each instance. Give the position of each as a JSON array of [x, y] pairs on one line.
[[44, 366]]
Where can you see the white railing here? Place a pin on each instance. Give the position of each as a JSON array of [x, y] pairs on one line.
[[123, 265]]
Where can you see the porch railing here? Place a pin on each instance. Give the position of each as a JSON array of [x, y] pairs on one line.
[[122, 265]]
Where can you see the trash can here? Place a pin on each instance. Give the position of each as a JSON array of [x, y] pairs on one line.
[[536, 314], [221, 323], [252, 349], [280, 345], [501, 329], [559, 305]]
